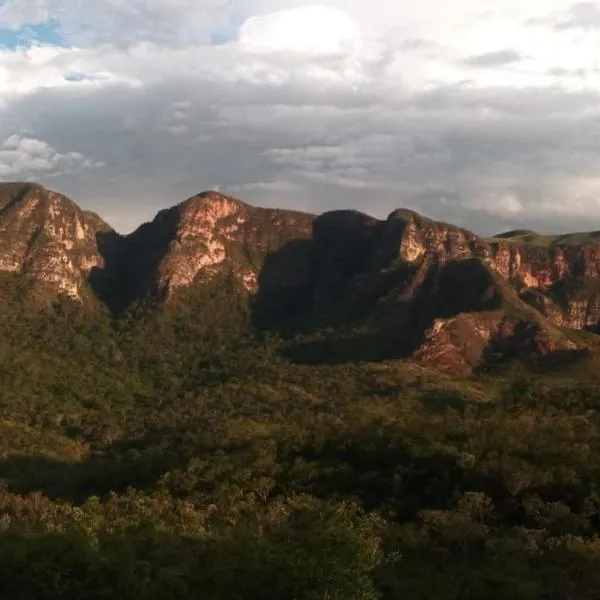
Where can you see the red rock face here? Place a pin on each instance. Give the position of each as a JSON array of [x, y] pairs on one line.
[[407, 274], [544, 269], [213, 232], [534, 267], [457, 344], [550, 269], [49, 238]]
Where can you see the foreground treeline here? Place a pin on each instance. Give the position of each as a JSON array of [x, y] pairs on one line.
[[156, 458]]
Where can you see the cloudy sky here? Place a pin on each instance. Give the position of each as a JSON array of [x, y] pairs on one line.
[[485, 114]]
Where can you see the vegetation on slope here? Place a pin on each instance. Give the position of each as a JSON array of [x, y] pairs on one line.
[[168, 455], [532, 238]]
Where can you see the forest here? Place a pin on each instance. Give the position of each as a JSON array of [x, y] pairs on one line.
[[171, 454]]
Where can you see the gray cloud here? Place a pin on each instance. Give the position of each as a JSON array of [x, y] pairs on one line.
[[485, 159], [497, 58], [398, 125], [562, 72], [583, 15]]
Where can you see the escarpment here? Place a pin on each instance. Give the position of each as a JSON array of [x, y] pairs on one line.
[[403, 286], [48, 238]]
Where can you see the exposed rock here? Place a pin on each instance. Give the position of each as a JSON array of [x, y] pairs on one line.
[[205, 236], [47, 237], [428, 289], [458, 344], [215, 233], [445, 295]]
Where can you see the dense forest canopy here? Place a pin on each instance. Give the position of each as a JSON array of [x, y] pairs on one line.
[[160, 454]]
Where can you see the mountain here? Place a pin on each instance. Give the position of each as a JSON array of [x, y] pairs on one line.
[[207, 236], [156, 441], [48, 239], [344, 285]]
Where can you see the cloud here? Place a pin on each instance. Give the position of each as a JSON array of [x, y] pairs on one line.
[[583, 15], [313, 29], [502, 204], [16, 15], [121, 22], [24, 157], [497, 58], [311, 106]]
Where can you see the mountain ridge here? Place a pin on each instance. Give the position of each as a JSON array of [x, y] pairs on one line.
[[406, 285]]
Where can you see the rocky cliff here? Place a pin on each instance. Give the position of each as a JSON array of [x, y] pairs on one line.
[[406, 285], [46, 237], [207, 236], [418, 287]]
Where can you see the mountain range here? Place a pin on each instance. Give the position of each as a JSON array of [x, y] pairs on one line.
[[343, 285]]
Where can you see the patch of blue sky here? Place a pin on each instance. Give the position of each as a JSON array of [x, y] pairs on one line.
[[228, 32], [78, 77], [75, 77], [40, 34], [219, 38]]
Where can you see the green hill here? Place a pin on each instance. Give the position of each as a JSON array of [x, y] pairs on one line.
[[281, 407]]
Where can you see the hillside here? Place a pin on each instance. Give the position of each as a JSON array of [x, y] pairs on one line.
[[48, 239], [257, 404], [343, 285]]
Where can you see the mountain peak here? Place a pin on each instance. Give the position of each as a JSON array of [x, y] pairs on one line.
[[408, 279], [200, 214], [212, 200], [46, 236], [405, 214]]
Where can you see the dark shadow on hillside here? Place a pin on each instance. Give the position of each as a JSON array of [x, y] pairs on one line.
[[364, 348], [19, 193], [285, 287], [137, 464], [562, 361], [131, 262], [307, 278], [346, 297], [440, 401]]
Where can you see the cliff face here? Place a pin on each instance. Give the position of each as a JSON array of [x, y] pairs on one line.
[[411, 285], [560, 279], [438, 292], [45, 236], [215, 232], [207, 235]]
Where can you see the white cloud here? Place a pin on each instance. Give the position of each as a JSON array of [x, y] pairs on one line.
[[503, 204], [493, 107], [16, 15], [313, 29], [25, 157]]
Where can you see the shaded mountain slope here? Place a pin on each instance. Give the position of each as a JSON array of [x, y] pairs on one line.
[[209, 235], [355, 287]]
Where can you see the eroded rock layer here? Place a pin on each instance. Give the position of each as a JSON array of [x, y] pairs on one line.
[[416, 286], [48, 237]]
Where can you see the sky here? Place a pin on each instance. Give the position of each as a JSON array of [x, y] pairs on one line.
[[483, 114]]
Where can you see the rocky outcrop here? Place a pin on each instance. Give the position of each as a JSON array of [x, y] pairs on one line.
[[45, 236], [216, 232], [441, 293], [428, 289], [203, 237], [559, 279]]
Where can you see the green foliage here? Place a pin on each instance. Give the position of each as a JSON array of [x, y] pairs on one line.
[[163, 455]]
